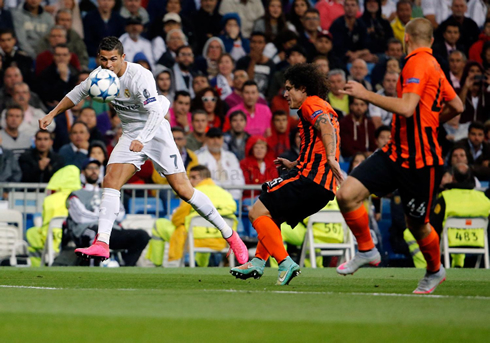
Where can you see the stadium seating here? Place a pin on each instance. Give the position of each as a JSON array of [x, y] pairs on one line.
[[49, 252], [149, 205], [11, 237]]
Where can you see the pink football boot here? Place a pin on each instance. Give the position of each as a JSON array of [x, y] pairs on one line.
[[239, 248], [98, 250]]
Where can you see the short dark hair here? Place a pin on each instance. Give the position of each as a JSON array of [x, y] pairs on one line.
[[297, 48], [380, 129], [351, 100], [181, 93], [43, 131], [311, 10], [393, 41], [307, 75], [452, 23], [111, 43], [198, 111], [6, 30], [202, 170], [177, 52], [476, 125], [13, 107], [79, 122], [178, 129], [250, 83], [401, 2], [277, 113], [61, 45], [237, 113], [258, 33]]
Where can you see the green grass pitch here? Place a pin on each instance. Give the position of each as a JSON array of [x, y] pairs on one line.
[[209, 305]]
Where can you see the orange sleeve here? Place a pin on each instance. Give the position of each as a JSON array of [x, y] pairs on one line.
[[313, 109], [448, 92], [414, 76]]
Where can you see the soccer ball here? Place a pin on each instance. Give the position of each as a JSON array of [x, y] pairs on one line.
[[103, 85]]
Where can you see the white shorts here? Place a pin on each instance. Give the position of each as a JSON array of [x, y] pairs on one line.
[[161, 150]]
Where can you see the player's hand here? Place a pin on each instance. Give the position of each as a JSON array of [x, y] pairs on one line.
[[335, 168], [355, 89], [45, 121], [136, 146], [283, 163]]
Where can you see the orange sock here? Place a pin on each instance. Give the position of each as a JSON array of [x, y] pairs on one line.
[[358, 222], [429, 246], [262, 252], [270, 237]]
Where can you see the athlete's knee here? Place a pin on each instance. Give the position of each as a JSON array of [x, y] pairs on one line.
[[257, 210], [344, 197], [184, 190], [111, 182]]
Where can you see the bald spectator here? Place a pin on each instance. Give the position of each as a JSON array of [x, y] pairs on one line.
[[358, 72], [30, 124], [133, 8], [13, 56], [248, 10], [57, 35], [64, 19], [12, 138], [11, 77], [76, 152], [31, 23]]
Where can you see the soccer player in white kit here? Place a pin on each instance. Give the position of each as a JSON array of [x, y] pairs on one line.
[[146, 134]]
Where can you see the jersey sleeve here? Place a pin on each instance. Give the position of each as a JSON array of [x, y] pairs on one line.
[[80, 92], [448, 92], [312, 110], [414, 77]]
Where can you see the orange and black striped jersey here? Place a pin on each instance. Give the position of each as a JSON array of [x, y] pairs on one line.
[[414, 140], [312, 160]]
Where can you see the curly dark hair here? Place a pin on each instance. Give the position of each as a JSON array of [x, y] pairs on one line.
[[308, 76]]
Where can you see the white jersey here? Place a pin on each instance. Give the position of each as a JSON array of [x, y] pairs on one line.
[[138, 104]]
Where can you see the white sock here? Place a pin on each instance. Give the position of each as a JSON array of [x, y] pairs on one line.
[[206, 209], [108, 212]]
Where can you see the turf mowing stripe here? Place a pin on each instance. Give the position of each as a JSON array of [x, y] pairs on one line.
[[435, 296]]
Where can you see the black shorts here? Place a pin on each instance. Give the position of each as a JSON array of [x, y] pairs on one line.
[[417, 187], [294, 198]]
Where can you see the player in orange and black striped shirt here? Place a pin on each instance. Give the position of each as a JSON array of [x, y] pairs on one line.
[[411, 162], [311, 180]]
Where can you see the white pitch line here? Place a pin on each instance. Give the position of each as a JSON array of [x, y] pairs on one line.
[[60, 288], [434, 296]]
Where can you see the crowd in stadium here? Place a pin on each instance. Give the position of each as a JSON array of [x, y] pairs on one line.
[[221, 64]]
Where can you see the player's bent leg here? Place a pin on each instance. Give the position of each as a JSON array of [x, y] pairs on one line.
[[350, 198], [201, 203], [117, 175]]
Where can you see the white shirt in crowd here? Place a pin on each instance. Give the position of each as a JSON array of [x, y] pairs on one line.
[[375, 111], [131, 48]]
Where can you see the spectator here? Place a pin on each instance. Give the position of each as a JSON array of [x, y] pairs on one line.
[[179, 115], [323, 47], [378, 115], [134, 43], [350, 37], [388, 9], [295, 143], [38, 164], [258, 67], [358, 72], [379, 29], [382, 136], [223, 165], [9, 167], [182, 70], [64, 18], [469, 30], [476, 48], [30, 123], [57, 35], [338, 100], [322, 63], [356, 130], [171, 21], [298, 10], [403, 16], [451, 132], [207, 23], [12, 76], [13, 56], [76, 152], [173, 11], [485, 56], [258, 165], [236, 138], [457, 156], [97, 151], [83, 215], [63, 124], [479, 150], [59, 78], [100, 23], [449, 42], [329, 11], [475, 97], [12, 138], [457, 61], [31, 23], [195, 139], [356, 160], [207, 63], [223, 82], [6, 21], [208, 100], [278, 142], [308, 36], [248, 10], [258, 116], [133, 9], [163, 78], [89, 117], [141, 59], [276, 50], [199, 82], [273, 21], [394, 50], [239, 78], [436, 11], [75, 21], [232, 38]]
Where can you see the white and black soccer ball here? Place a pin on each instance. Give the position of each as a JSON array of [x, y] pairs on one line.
[[103, 85]]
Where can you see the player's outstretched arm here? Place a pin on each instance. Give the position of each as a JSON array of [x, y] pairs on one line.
[[451, 109], [329, 140], [404, 106], [63, 105]]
